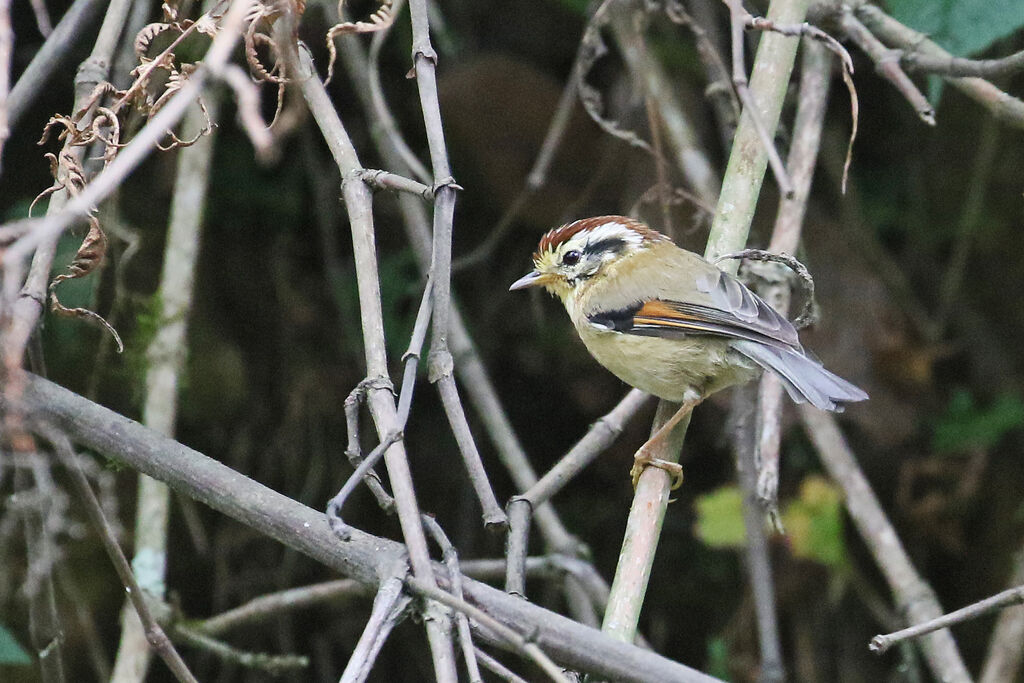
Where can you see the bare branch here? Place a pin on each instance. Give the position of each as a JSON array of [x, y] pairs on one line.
[[154, 634], [739, 18], [887, 64], [1008, 109], [390, 608], [801, 162], [513, 639], [440, 362], [358, 204], [740, 189], [1006, 647], [365, 558], [1014, 596], [948, 65], [914, 597], [469, 367]]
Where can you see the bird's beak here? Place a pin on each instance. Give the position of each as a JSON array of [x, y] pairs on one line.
[[531, 279]]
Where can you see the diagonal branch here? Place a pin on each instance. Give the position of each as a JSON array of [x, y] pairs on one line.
[[914, 597], [365, 558]]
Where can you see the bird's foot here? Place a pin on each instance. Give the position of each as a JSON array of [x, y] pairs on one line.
[[643, 459]]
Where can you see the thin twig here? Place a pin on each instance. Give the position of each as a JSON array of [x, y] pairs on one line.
[[364, 466], [719, 90], [756, 550], [597, 439], [265, 607], [154, 634], [512, 638], [260, 661], [469, 366], [738, 18], [358, 204], [451, 562], [384, 120], [363, 472], [538, 174], [690, 155], [748, 159], [818, 36], [353, 402], [440, 363], [1006, 647], [385, 180], [1008, 109], [803, 154], [497, 668], [390, 608], [1014, 596], [948, 65]]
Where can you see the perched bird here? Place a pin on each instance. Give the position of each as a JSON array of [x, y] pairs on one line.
[[666, 321]]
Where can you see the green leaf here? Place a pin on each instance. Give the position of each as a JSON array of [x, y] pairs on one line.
[[966, 425], [720, 518], [964, 27], [718, 658], [11, 653], [814, 523]]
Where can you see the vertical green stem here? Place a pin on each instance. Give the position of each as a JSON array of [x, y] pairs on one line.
[[737, 201], [748, 160]]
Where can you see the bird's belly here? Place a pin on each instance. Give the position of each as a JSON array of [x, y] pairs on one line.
[[667, 368]]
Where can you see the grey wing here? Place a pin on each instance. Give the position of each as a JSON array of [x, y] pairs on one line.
[[733, 304]]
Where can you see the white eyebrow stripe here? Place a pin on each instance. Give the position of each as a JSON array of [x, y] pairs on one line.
[[606, 231]]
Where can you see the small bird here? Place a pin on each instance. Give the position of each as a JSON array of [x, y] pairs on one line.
[[664, 320]]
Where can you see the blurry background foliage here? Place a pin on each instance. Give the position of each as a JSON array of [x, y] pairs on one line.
[[275, 344]]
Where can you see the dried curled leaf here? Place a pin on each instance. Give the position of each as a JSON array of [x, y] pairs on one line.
[[87, 259], [592, 48], [144, 38], [260, 72], [381, 19]]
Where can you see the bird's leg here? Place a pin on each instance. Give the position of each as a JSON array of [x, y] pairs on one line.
[[646, 456]]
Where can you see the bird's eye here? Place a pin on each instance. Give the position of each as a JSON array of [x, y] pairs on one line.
[[571, 258]]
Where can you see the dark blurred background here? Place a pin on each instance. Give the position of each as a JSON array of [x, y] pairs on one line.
[[275, 346]]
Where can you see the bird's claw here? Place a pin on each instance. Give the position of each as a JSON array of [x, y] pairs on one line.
[[643, 460]]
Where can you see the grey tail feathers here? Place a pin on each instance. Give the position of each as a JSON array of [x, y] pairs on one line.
[[805, 379]]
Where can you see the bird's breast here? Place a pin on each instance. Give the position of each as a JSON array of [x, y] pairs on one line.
[[666, 368]]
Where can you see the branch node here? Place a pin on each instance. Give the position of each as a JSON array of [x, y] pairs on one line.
[[446, 182], [439, 365]]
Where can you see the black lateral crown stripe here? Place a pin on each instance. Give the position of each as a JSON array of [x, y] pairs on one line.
[[610, 244]]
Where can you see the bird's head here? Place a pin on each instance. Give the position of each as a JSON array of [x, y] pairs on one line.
[[577, 252]]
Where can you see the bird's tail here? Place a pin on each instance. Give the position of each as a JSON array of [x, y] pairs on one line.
[[805, 379]]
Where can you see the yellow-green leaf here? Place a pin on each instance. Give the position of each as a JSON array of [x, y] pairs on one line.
[[720, 518]]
